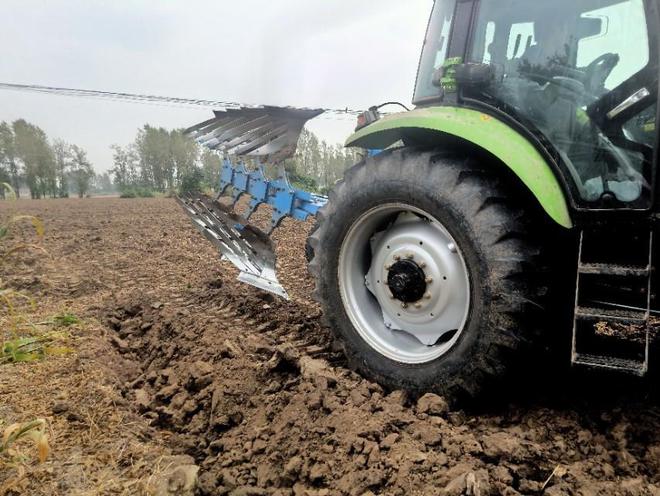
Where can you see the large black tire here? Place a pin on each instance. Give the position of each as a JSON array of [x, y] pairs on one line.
[[493, 232]]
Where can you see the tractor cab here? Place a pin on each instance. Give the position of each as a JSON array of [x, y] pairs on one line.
[[578, 77]]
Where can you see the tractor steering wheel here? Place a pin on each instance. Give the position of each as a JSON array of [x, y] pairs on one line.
[[597, 72]]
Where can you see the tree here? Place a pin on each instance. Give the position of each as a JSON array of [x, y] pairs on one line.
[[103, 183], [8, 159], [82, 172], [35, 153], [125, 170], [62, 154], [157, 167], [120, 169], [211, 165], [184, 154]]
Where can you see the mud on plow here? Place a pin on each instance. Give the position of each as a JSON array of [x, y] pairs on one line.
[[267, 136]]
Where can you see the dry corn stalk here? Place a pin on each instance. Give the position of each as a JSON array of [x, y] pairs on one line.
[[34, 430]]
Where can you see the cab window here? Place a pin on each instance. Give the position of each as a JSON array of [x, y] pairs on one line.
[[578, 72]]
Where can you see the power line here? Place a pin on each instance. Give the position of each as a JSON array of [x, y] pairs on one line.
[[156, 99]]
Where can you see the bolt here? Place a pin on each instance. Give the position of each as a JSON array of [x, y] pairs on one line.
[[429, 280], [451, 247], [397, 257], [427, 296], [422, 265], [388, 266], [410, 256], [404, 305], [418, 305]]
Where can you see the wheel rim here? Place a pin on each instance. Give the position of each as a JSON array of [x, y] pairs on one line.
[[404, 283]]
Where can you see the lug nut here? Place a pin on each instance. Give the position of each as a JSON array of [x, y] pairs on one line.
[[418, 305], [388, 266], [397, 257], [404, 305], [410, 256], [391, 296], [429, 280], [451, 247], [422, 265], [427, 296]]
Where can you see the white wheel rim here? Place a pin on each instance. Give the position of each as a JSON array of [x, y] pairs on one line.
[[407, 332]]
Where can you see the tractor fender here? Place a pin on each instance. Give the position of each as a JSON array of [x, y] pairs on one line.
[[484, 131]]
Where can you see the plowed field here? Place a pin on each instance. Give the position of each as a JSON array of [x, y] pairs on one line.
[[183, 381]]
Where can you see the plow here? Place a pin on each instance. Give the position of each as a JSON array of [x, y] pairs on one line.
[[268, 136], [533, 143]]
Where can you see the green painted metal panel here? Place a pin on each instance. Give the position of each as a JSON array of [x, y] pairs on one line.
[[484, 131]]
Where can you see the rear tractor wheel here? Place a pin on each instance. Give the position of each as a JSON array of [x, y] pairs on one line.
[[424, 272]]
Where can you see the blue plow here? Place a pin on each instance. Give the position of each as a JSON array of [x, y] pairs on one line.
[[267, 135]]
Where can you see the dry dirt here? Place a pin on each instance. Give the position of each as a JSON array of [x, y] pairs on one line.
[[179, 372]]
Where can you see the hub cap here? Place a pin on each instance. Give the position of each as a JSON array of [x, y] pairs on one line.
[[404, 283]]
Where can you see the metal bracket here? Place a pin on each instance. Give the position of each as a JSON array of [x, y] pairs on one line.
[[285, 200]]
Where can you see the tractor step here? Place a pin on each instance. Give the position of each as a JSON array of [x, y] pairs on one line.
[[635, 367], [614, 270], [636, 317], [612, 332]]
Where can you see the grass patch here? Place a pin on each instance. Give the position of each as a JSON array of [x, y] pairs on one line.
[[65, 320], [20, 344], [31, 348]]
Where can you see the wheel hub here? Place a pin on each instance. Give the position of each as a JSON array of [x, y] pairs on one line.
[[407, 281]]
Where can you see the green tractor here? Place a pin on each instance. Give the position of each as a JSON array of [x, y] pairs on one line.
[[442, 256]]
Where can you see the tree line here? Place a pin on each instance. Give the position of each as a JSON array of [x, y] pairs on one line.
[[157, 161], [47, 168], [161, 160]]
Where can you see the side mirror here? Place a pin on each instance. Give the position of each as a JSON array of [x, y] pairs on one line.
[[436, 78], [474, 75]]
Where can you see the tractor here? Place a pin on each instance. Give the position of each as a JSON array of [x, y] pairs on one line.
[[521, 187]]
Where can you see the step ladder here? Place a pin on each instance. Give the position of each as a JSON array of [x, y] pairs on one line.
[[611, 328]]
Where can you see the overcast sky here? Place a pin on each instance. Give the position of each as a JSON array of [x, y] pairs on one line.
[[314, 53]]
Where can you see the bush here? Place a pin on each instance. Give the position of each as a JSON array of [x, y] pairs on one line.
[[137, 192], [305, 183], [191, 181]]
